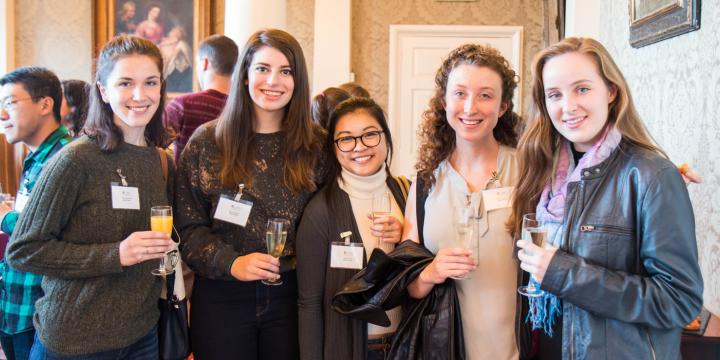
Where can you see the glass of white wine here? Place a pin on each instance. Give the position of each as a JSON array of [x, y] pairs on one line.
[[381, 207], [161, 220], [275, 237], [533, 231], [463, 217]]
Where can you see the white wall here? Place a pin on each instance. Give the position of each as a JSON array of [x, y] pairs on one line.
[[331, 49], [245, 17], [582, 18]]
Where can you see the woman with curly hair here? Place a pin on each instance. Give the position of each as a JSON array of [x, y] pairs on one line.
[[467, 156]]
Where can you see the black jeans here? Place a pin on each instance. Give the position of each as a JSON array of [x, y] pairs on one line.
[[244, 320]]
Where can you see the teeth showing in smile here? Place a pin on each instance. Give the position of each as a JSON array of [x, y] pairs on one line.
[[138, 108], [362, 159], [573, 121], [271, 93], [470, 122]]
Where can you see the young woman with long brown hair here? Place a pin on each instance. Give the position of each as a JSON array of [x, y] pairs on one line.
[[86, 226], [262, 151], [623, 261]]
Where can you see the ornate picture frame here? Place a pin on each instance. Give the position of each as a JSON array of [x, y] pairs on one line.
[[656, 20], [176, 26]]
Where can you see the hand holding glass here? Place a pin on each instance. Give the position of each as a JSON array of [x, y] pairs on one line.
[[161, 220], [532, 231], [463, 217], [381, 207], [275, 237]]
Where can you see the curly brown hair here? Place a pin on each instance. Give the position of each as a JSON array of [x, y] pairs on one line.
[[437, 138]]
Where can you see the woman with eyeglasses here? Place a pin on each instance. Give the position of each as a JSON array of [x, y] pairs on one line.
[[337, 221]]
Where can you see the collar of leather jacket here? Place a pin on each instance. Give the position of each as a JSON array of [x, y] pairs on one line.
[[381, 285]]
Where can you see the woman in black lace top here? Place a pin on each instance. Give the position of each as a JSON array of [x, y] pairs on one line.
[[266, 141]]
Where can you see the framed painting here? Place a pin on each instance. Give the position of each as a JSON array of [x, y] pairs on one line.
[[175, 26], [656, 20]]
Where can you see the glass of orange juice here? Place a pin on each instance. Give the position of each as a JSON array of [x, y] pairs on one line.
[[161, 220]]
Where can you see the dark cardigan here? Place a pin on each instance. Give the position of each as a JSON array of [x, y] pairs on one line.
[[324, 333]]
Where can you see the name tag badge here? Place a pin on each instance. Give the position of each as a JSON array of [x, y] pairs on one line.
[[20, 201], [234, 212], [499, 198], [348, 256], [125, 197]]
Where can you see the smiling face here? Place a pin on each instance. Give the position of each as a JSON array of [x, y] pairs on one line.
[[23, 122], [473, 102], [270, 80], [133, 91], [577, 98], [362, 160]]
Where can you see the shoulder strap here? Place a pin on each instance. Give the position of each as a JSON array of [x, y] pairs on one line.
[[163, 162], [420, 197], [399, 187]]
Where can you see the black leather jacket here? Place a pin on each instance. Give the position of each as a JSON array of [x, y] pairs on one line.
[[627, 270]]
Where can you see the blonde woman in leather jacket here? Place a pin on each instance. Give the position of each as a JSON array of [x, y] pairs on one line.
[[623, 260]]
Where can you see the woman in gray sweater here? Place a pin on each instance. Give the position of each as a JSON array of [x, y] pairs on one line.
[[85, 228]]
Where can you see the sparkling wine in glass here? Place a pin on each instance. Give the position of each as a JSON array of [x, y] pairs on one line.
[[463, 217], [534, 231], [161, 220], [275, 236], [381, 207]]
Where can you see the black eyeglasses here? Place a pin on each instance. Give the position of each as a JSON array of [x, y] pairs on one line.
[[348, 143]]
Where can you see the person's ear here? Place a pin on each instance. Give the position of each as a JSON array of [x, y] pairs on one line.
[[612, 93], [46, 105], [103, 94], [503, 109]]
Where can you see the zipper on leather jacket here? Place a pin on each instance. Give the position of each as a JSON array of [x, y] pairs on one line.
[[605, 228], [652, 347]]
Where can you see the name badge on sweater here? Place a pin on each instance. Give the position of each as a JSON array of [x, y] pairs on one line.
[[125, 197], [499, 198], [233, 211], [346, 256], [20, 201]]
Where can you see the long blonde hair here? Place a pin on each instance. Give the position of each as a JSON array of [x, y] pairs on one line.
[[540, 142]]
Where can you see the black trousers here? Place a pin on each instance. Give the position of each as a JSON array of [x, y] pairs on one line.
[[244, 320]]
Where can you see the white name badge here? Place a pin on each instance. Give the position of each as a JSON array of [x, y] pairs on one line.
[[20, 201], [234, 212], [499, 198], [348, 256], [125, 197]]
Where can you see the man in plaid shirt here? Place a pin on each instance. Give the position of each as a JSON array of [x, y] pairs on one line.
[[30, 100]]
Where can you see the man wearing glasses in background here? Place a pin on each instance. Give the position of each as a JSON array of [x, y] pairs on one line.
[[30, 100]]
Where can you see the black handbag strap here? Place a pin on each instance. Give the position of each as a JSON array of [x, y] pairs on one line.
[[420, 197], [399, 187], [170, 286]]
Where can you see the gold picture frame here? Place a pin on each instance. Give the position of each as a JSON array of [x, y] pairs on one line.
[[656, 20], [180, 21]]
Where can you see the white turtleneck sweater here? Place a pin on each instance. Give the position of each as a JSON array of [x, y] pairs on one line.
[[361, 189]]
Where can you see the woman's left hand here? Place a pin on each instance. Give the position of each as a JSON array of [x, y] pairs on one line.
[[535, 259], [387, 229]]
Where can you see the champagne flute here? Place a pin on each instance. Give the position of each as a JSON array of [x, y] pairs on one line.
[[534, 231], [381, 207], [161, 220], [463, 217], [275, 237]]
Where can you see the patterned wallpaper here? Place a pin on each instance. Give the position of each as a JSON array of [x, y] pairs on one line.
[[52, 33], [371, 20], [675, 84], [301, 23]]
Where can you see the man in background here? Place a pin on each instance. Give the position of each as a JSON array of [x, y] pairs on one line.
[[215, 62], [30, 101]]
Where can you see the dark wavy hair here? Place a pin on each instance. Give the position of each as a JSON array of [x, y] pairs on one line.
[[76, 93], [437, 137], [325, 102], [235, 135], [100, 123]]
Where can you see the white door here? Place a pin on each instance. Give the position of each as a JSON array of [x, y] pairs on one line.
[[416, 52]]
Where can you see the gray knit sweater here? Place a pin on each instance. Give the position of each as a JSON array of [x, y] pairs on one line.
[[70, 234]]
